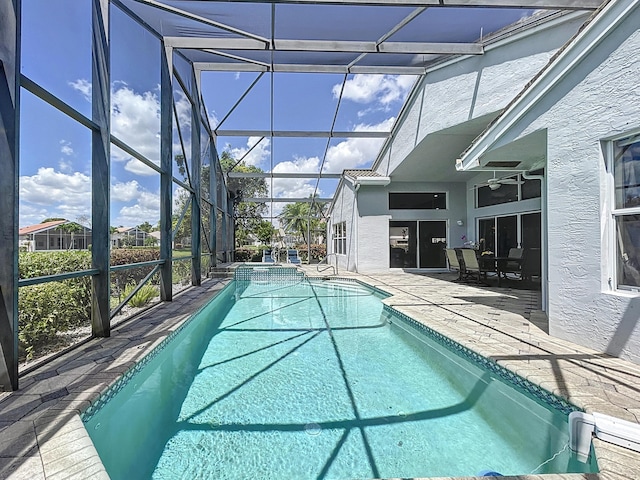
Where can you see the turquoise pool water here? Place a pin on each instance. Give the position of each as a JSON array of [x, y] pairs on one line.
[[316, 379]]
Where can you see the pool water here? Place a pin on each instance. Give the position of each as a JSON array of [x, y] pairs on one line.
[[315, 379]]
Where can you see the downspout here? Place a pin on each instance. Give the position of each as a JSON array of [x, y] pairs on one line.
[[544, 240], [356, 223]]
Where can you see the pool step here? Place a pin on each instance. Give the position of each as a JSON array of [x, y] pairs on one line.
[[221, 272]]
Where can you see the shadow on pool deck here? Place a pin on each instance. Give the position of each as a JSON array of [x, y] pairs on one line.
[[42, 436]]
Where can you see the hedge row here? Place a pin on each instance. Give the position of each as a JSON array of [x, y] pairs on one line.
[[49, 309]]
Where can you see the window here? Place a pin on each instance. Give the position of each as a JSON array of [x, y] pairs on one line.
[[417, 201], [340, 238], [626, 214], [520, 189], [504, 194]]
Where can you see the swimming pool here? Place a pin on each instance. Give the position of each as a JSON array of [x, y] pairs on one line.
[[287, 377]]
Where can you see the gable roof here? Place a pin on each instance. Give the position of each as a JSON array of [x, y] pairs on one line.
[[41, 227], [588, 37]]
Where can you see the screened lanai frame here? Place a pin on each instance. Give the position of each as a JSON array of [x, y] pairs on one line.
[[247, 38]]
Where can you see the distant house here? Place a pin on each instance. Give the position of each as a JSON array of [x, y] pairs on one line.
[[128, 236], [55, 235]]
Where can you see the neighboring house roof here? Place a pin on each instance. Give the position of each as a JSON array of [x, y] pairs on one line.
[[41, 227], [595, 29], [155, 235]]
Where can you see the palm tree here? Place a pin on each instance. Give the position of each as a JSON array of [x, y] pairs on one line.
[[295, 218]]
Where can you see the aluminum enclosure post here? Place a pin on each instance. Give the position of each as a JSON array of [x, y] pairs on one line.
[[213, 208], [166, 177], [9, 166], [100, 170], [196, 165]]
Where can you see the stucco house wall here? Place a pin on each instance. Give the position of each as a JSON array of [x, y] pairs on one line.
[[368, 223], [474, 86], [596, 100], [344, 210]]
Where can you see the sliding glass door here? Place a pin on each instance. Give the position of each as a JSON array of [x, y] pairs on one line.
[[402, 244], [500, 234], [433, 241], [417, 243]]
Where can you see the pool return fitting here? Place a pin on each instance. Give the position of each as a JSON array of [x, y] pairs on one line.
[[582, 426]]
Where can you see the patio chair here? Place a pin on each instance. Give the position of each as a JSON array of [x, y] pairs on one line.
[[531, 264], [513, 266], [267, 257], [454, 263], [472, 266], [292, 257]]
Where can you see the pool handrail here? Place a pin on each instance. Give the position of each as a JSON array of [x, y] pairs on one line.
[[325, 261]]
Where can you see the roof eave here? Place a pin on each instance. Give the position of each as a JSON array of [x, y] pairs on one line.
[[601, 24]]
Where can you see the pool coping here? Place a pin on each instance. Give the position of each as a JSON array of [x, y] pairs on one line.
[[43, 436]]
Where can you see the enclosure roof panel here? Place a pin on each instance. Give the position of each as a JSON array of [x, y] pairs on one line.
[[396, 41]]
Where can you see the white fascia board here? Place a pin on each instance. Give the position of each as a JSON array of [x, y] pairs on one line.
[[374, 181], [575, 52]]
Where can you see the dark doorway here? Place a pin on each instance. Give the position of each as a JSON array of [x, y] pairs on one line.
[[507, 234], [531, 229], [433, 241]]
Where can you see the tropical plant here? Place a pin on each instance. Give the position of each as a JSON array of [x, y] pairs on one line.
[[265, 231], [248, 215], [142, 297], [302, 218]]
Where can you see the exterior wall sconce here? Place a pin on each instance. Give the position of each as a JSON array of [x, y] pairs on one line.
[[460, 222]]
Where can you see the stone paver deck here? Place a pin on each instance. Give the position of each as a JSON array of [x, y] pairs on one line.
[[42, 436]]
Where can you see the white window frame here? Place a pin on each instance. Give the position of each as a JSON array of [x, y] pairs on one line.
[[340, 238], [617, 213]]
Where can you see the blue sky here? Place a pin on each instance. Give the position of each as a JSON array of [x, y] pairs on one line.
[[55, 151]]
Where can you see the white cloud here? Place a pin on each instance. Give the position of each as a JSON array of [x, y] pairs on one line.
[[258, 156], [147, 209], [382, 89], [83, 86], [65, 148], [183, 109], [125, 191], [356, 152], [49, 193], [295, 187], [49, 186], [135, 119]]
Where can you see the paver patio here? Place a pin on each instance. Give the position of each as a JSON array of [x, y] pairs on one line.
[[42, 436]]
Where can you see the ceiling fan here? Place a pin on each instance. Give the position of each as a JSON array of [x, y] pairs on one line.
[[495, 183]]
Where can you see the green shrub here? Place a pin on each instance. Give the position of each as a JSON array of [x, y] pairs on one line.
[[142, 297], [125, 256], [243, 255], [38, 264], [318, 251], [48, 309], [181, 272]]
